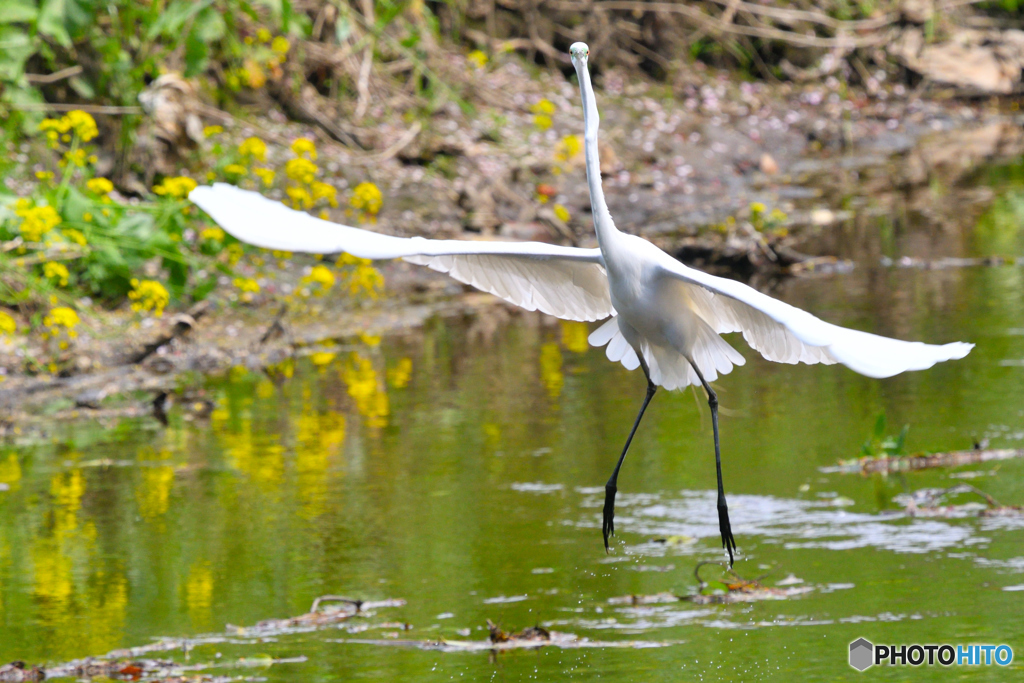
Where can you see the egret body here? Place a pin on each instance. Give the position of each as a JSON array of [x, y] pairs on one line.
[[662, 316]]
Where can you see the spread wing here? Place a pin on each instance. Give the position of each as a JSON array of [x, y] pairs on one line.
[[565, 282], [786, 334]]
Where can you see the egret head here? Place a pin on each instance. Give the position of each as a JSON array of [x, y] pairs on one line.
[[579, 52]]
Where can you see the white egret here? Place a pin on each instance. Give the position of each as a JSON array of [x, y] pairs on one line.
[[664, 317]]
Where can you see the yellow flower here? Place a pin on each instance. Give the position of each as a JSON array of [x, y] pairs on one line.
[[248, 288], [44, 175], [7, 324], [77, 157], [56, 271], [236, 169], [255, 148], [304, 146], [325, 191], [568, 148], [757, 208], [149, 295], [75, 235], [212, 235], [87, 217], [320, 276], [280, 45], [301, 170], [266, 175], [100, 186], [36, 221], [210, 131], [544, 106], [83, 124], [562, 213], [367, 198], [301, 199], [263, 35], [362, 277], [59, 317], [477, 59], [176, 187]]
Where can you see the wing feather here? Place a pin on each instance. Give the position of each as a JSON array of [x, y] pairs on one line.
[[565, 282]]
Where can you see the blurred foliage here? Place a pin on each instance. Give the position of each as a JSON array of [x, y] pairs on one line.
[[881, 445]]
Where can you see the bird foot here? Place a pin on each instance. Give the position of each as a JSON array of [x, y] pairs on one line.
[[608, 524], [728, 542]]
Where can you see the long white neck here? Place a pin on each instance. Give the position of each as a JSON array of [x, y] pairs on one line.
[[603, 223]]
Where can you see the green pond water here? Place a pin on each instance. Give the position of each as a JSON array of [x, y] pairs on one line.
[[459, 467]]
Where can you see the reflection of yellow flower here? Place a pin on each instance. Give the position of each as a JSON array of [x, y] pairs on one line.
[[149, 295], [365, 389], [551, 368], [367, 198], [7, 324], [175, 187], [56, 271], [574, 336], [399, 376], [477, 59], [304, 147]]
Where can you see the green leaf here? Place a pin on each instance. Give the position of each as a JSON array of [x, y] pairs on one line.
[[174, 17], [51, 21], [17, 11], [209, 26], [196, 53], [15, 48]]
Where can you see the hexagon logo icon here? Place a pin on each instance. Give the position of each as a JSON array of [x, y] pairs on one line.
[[862, 654]]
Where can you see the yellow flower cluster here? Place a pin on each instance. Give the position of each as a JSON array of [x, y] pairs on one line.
[[266, 175], [7, 324], [367, 198], [62, 317], [236, 170], [280, 45], [248, 288], [210, 131], [561, 213], [361, 277], [75, 122], [542, 112], [320, 279], [175, 187], [477, 59], [36, 221], [56, 271], [301, 170], [149, 295], [100, 186], [304, 147], [212, 235], [568, 148], [75, 236], [254, 148], [366, 390]]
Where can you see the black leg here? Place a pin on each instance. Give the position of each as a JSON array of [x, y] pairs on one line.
[[608, 525], [728, 542]]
